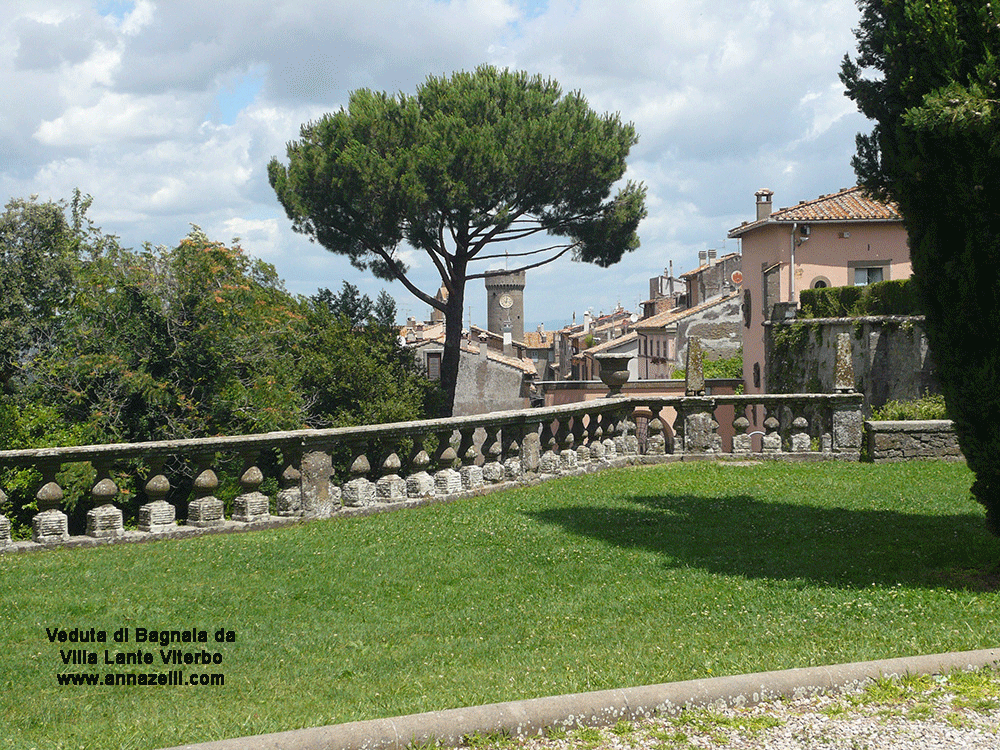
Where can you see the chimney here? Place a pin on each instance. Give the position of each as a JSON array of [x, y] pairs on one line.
[[712, 254], [483, 338], [763, 203], [702, 258]]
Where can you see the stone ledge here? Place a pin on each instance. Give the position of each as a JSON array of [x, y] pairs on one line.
[[898, 440]]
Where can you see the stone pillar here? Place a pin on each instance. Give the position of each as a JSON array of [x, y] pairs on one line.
[[843, 374], [315, 470], [251, 504], [419, 483], [5, 540], [104, 521], [289, 502], [493, 471], [50, 525], [390, 487], [447, 481], [157, 515], [205, 509], [359, 492], [694, 372]]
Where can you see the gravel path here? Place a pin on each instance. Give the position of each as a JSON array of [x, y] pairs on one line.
[[961, 710]]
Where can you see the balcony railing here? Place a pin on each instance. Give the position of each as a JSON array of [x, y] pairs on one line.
[[321, 473]]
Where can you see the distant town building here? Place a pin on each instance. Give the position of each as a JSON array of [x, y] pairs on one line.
[[844, 238]]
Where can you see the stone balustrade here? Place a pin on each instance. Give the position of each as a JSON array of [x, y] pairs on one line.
[[321, 473]]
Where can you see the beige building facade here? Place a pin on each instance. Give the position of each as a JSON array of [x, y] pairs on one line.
[[841, 239]]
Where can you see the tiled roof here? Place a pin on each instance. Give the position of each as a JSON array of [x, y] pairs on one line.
[[701, 268], [612, 344], [525, 365], [533, 339], [669, 317], [850, 204]]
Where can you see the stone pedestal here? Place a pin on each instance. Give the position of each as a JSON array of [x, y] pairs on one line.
[[420, 484], [157, 517], [105, 522], [251, 507], [359, 493], [447, 482], [472, 477], [390, 489], [206, 511], [50, 527]]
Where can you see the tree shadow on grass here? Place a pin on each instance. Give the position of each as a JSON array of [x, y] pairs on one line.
[[742, 536]]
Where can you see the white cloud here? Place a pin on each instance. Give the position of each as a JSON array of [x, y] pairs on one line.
[[727, 96]]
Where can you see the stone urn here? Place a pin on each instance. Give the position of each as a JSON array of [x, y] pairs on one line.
[[614, 371]]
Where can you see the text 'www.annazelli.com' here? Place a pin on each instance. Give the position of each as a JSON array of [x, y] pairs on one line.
[[173, 678]]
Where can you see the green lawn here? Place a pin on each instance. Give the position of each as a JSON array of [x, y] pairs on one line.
[[626, 577]]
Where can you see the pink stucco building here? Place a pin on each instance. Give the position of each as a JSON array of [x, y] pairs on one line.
[[835, 240]]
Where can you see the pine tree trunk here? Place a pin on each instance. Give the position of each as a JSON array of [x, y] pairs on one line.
[[452, 344]]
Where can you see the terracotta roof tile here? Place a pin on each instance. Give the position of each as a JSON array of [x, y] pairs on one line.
[[850, 204], [669, 317]]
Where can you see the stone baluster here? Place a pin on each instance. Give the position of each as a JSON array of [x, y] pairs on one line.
[[205, 509], [566, 440], [390, 487], [493, 471], [447, 481], [742, 441], [5, 539], [771, 442], [251, 505], [548, 462], [609, 426], [656, 441], [680, 419], [104, 520], [581, 439], [472, 475], [359, 491], [512, 438], [595, 438], [157, 515], [799, 439], [289, 502], [419, 484], [629, 438], [50, 525]]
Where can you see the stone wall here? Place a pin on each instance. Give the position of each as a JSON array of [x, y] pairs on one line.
[[901, 441], [890, 356]]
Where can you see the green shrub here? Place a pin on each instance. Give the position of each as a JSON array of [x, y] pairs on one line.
[[897, 297], [830, 302], [928, 407]]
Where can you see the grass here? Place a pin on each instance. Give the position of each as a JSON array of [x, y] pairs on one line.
[[621, 578]]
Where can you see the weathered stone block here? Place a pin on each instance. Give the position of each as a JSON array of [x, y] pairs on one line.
[[50, 527], [358, 493], [5, 540], [512, 469], [104, 522], [567, 460], [447, 482], [157, 517], [493, 472], [251, 507], [549, 463], [390, 489], [420, 484], [206, 511], [289, 502], [472, 477]]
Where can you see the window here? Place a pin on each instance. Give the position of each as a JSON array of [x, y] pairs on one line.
[[820, 283], [868, 275], [434, 365]]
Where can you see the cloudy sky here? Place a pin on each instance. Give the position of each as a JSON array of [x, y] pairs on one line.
[[167, 113]]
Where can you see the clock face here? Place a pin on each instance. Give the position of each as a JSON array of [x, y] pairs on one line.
[[506, 301]]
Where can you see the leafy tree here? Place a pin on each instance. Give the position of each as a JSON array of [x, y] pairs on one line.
[[468, 162], [927, 73]]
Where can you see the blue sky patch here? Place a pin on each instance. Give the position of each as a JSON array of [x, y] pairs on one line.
[[234, 95]]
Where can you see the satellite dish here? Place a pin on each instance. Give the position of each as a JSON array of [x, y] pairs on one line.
[[737, 277]]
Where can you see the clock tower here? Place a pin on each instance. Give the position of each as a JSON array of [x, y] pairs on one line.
[[505, 303]]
